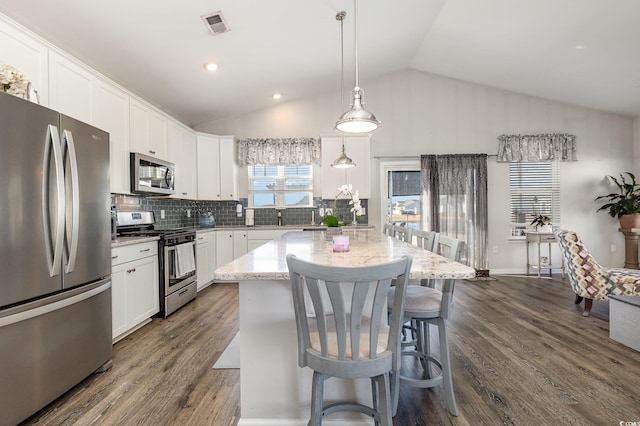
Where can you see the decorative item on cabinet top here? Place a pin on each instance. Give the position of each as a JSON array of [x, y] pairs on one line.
[[13, 82]]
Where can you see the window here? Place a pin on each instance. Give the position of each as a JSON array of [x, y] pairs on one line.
[[289, 185], [534, 190], [403, 195]]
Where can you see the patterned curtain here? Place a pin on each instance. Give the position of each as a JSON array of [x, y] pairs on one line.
[[279, 151], [454, 191], [536, 148]]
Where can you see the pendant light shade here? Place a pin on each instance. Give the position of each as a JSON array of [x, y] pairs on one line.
[[343, 162], [357, 119]]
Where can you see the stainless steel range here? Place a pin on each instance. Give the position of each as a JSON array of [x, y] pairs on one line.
[[176, 258]]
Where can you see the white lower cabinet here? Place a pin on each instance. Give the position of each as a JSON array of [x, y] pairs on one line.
[[224, 247], [205, 257], [239, 243], [134, 287], [230, 245]]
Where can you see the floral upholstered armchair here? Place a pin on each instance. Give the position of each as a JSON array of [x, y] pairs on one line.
[[588, 279]]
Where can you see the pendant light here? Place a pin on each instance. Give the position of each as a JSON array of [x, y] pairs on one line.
[[357, 119], [342, 162]]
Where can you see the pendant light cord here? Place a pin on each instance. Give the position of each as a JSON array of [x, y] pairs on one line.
[[355, 12], [340, 16]]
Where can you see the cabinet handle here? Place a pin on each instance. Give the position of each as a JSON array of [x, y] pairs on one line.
[[152, 152], [201, 238], [114, 257], [185, 193], [142, 251], [131, 270], [230, 236]]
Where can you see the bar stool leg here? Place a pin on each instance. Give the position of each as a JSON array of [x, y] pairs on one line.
[[316, 399], [445, 360]]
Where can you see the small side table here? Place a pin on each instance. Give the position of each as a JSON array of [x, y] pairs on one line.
[[631, 247], [540, 238]]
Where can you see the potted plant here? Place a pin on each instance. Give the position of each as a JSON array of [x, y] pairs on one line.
[[624, 204], [542, 223], [334, 220]]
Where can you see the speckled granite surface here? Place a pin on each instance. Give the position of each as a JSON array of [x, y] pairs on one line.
[[367, 247], [125, 241]]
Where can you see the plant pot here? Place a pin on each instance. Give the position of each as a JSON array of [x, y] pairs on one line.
[[628, 221], [334, 230], [544, 229]]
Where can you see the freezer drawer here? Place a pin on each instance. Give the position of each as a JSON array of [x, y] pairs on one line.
[[49, 346]]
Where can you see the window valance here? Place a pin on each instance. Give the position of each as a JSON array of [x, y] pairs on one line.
[[279, 151], [535, 148]]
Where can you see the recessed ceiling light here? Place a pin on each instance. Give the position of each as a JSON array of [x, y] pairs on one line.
[[210, 66], [277, 96], [580, 47]]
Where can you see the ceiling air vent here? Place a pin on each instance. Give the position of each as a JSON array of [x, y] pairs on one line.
[[215, 23]]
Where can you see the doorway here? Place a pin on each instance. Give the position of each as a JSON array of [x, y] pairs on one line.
[[401, 200]]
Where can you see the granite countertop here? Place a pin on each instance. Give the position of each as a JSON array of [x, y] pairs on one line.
[[367, 247], [125, 241], [276, 227]]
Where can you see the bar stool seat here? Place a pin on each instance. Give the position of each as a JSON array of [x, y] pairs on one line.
[[426, 306], [342, 330]]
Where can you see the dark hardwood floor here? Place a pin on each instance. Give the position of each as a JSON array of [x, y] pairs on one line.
[[522, 354]]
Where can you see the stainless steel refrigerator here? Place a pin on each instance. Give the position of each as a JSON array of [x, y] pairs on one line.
[[55, 255]]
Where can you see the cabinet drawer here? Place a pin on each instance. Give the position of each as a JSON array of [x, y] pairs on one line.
[[132, 252]]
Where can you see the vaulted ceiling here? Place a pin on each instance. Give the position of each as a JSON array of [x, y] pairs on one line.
[[583, 52]]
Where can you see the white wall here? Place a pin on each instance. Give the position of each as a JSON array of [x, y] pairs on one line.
[[427, 114]]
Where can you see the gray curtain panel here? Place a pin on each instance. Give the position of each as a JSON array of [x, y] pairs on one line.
[[455, 193]]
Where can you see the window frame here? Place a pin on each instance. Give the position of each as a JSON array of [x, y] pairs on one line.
[[280, 191], [539, 182]]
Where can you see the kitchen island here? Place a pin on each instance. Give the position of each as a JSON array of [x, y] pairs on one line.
[[274, 390]]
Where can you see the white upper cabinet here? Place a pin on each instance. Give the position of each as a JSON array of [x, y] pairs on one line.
[[110, 111], [228, 169], [208, 160], [358, 149], [27, 55], [70, 87], [148, 130], [217, 170], [181, 146]]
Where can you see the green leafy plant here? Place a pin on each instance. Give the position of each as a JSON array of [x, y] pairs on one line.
[[626, 200], [541, 220], [334, 219]]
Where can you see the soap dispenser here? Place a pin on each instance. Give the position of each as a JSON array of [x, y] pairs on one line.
[[279, 217]]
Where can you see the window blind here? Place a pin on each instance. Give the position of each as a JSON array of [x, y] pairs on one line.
[[534, 190]]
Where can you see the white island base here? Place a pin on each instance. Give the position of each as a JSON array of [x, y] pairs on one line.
[[274, 391]]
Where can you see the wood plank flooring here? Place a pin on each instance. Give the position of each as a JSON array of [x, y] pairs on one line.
[[522, 354]]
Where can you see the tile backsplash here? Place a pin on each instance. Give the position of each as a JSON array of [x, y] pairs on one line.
[[176, 212]]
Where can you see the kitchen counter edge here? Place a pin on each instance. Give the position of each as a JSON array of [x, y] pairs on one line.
[[126, 241]]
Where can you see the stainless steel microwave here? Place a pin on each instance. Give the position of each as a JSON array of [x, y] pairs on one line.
[[150, 175]]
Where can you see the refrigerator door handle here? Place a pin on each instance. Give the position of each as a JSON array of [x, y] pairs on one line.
[[75, 200], [53, 249]]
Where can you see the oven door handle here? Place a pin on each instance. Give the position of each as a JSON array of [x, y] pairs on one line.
[[167, 250]]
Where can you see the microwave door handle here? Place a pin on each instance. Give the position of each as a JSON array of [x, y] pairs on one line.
[[75, 200], [168, 177], [53, 248]]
